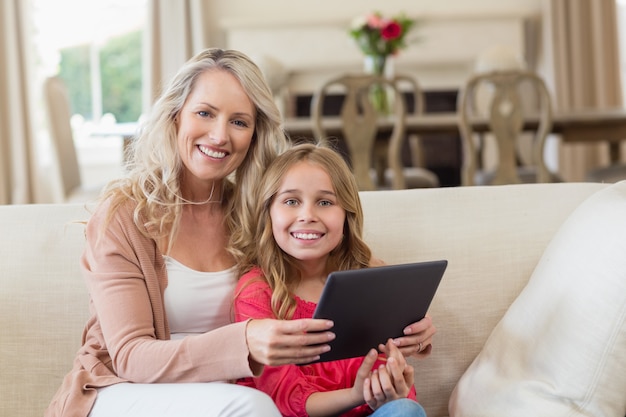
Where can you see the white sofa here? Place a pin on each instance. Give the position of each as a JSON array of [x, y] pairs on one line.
[[493, 238]]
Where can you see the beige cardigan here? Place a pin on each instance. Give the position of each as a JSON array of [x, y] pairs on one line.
[[127, 336]]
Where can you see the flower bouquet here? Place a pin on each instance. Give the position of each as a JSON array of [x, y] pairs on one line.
[[378, 37]]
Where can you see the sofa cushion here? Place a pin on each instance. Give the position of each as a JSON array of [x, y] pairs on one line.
[[43, 302], [560, 349]]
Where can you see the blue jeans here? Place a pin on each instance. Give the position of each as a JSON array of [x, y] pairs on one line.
[[403, 407]]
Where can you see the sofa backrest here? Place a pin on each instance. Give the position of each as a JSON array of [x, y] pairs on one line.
[[491, 236], [43, 302]]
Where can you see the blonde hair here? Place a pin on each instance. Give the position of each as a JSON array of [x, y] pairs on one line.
[[155, 169], [280, 269]]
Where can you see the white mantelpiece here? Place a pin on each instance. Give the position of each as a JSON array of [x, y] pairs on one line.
[[442, 58]]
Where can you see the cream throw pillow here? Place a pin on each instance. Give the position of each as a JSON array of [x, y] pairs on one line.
[[560, 350]]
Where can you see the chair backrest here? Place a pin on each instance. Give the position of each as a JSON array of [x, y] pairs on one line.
[[59, 113], [410, 84], [419, 102], [505, 116], [360, 121]]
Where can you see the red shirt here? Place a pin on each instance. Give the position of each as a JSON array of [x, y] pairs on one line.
[[290, 385]]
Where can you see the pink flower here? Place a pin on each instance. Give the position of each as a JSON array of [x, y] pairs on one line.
[[380, 36], [375, 21], [392, 30]]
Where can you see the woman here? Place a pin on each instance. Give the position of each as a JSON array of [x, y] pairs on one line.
[[157, 269]]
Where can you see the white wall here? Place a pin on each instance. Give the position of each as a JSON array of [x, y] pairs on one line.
[[346, 9], [310, 38]]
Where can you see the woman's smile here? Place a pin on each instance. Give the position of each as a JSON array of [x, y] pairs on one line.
[[215, 127], [212, 153]]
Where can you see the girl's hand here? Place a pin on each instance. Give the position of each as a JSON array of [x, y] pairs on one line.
[[389, 382], [417, 340], [281, 342], [365, 370], [339, 401], [399, 369]]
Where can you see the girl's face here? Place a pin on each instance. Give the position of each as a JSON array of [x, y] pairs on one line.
[[215, 127], [307, 221]]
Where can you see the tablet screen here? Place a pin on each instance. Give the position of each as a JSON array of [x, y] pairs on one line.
[[369, 306]]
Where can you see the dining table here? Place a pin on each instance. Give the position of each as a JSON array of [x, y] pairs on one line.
[[590, 126], [578, 126]]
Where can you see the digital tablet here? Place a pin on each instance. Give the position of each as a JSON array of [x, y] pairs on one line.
[[369, 306]]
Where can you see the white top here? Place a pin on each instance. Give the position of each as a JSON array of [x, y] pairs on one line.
[[195, 301]]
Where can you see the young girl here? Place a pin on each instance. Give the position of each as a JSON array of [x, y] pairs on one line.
[[310, 222]]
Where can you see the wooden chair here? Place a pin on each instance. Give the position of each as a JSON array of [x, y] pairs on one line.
[[359, 126], [504, 113], [416, 175], [59, 113]]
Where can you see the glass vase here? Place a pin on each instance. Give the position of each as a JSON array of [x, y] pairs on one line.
[[380, 95]]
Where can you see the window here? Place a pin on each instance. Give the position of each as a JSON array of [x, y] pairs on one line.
[[95, 46]]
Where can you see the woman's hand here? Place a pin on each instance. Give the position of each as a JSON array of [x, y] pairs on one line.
[[417, 339], [282, 342], [390, 381]]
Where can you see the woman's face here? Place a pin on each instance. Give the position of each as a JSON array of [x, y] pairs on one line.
[[215, 127], [307, 219]]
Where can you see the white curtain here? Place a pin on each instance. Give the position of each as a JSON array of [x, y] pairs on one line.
[[583, 51], [176, 30], [18, 167]]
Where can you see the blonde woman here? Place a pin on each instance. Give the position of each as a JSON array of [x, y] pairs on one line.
[[160, 341]]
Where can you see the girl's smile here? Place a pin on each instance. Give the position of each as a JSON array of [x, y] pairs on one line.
[[307, 220]]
